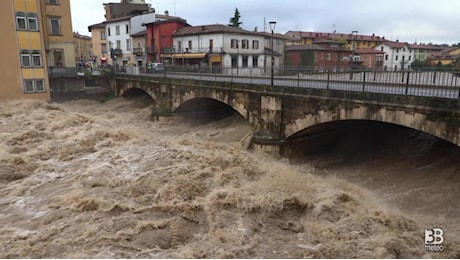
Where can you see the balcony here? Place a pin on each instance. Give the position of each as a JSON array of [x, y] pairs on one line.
[[60, 72], [138, 51]]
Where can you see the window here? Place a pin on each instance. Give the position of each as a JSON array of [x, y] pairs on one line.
[[53, 2], [127, 29], [234, 43], [36, 59], [386, 57], [29, 86], [21, 23], [255, 62], [245, 44], [32, 22], [328, 56], [211, 45], [25, 59], [58, 55], [128, 44], [234, 61], [117, 30], [39, 85], [396, 58], [55, 24], [103, 47], [189, 45], [118, 44], [102, 35], [34, 85], [245, 61], [255, 45], [179, 44], [108, 31]]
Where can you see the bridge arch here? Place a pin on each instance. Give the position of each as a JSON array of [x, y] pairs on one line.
[[418, 120]]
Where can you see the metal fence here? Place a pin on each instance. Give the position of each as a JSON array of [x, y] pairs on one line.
[[444, 84]]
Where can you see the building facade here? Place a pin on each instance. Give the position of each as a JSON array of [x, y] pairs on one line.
[[159, 40], [100, 50], [320, 56], [83, 47], [398, 55], [349, 39], [371, 58], [25, 73], [221, 48]]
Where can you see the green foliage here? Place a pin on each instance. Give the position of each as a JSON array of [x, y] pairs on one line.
[[235, 20], [456, 69]]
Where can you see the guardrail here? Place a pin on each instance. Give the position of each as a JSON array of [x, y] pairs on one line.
[[442, 84]]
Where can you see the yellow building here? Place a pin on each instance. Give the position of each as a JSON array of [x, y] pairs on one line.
[[23, 71], [82, 45], [351, 40]]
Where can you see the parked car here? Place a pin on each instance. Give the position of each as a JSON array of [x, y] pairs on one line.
[[158, 67]]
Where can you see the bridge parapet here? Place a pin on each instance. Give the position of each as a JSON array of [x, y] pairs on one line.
[[284, 111]]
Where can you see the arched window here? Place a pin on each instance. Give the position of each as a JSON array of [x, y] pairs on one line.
[[21, 23], [25, 59], [36, 58], [32, 21]]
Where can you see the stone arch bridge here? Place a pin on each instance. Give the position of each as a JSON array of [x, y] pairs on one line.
[[278, 113]]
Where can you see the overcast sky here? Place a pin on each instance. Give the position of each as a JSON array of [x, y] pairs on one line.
[[422, 21]]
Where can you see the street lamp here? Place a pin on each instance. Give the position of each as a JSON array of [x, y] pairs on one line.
[[272, 28], [355, 34]]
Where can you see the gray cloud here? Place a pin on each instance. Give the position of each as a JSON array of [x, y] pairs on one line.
[[407, 20]]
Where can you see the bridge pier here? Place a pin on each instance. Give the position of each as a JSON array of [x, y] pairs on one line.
[[159, 112], [268, 142]]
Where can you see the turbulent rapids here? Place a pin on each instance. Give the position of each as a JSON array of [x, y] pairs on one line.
[[83, 179]]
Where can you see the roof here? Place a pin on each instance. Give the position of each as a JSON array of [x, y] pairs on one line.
[[368, 51], [315, 47], [396, 44], [139, 34], [214, 28], [179, 20], [77, 35], [97, 25], [347, 36], [425, 47]]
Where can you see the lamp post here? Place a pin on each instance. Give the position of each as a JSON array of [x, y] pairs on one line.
[[272, 28]]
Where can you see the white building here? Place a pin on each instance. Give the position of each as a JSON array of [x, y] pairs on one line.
[[221, 48], [118, 32], [398, 55]]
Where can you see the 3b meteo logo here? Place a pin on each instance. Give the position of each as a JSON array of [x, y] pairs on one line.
[[434, 239]]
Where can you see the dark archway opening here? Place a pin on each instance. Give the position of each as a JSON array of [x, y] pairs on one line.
[[410, 169], [205, 110], [139, 97]]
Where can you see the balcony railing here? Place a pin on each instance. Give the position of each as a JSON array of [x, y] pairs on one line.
[[62, 72], [138, 51]]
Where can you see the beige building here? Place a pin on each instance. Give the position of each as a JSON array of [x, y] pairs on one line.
[[82, 45], [24, 74], [100, 50]]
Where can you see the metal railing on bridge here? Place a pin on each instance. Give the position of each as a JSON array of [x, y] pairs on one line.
[[443, 84]]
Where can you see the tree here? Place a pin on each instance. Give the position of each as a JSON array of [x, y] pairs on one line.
[[456, 69], [235, 20]]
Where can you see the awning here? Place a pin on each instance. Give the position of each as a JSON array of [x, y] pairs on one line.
[[188, 55]]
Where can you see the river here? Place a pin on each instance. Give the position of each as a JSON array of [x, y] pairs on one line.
[[83, 179]]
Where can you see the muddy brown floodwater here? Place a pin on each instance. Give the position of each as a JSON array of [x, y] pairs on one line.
[[81, 179]]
